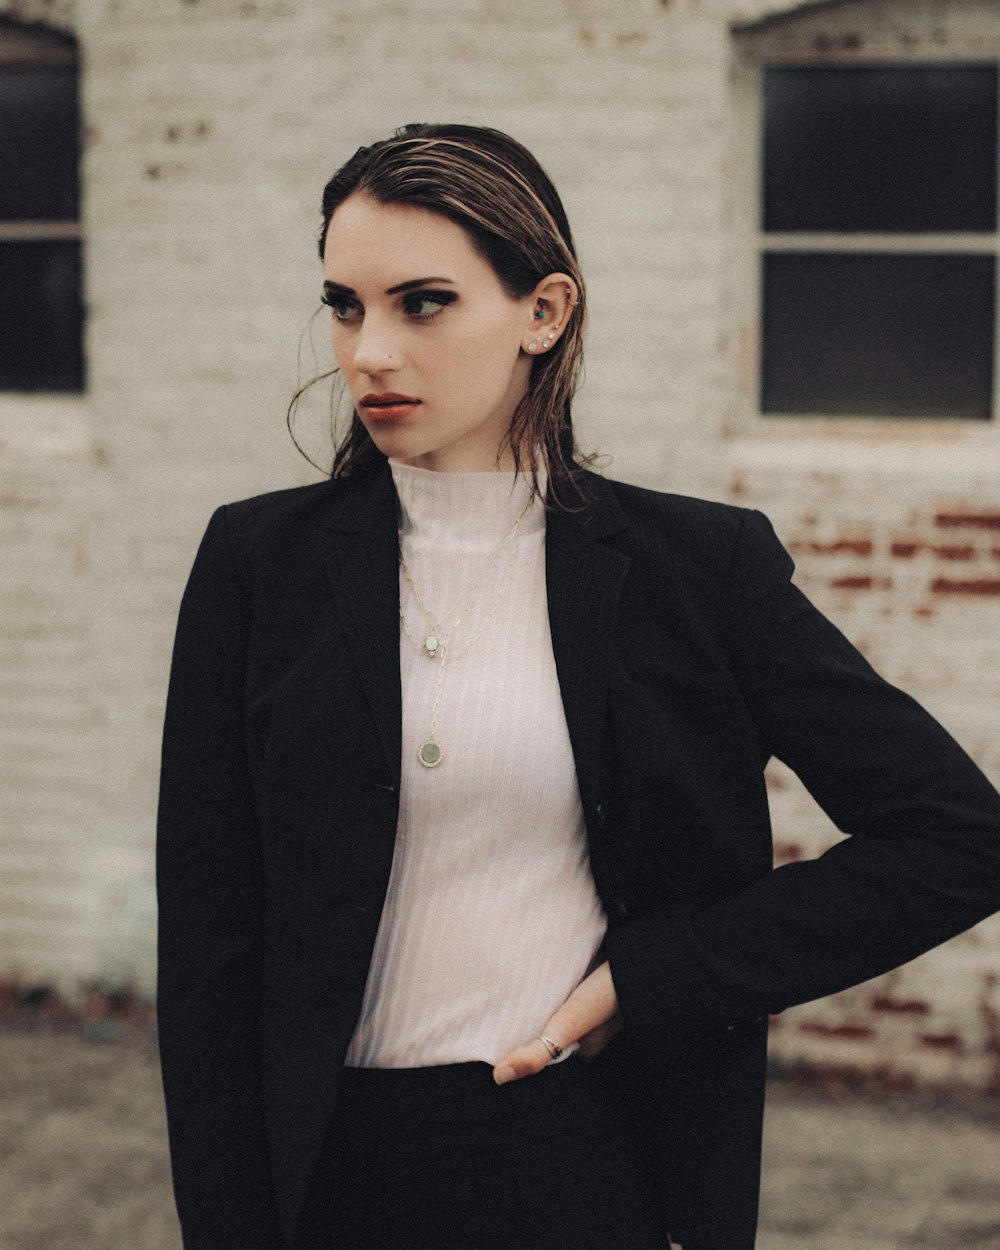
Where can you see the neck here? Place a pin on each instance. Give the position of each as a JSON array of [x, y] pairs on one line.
[[469, 511]]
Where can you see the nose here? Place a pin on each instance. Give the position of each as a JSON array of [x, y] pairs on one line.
[[377, 348]]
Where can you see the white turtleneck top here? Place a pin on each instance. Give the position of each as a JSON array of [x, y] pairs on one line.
[[491, 916]]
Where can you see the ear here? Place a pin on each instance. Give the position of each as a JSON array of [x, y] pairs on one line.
[[550, 307]]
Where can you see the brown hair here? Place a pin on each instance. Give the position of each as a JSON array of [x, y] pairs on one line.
[[491, 186]]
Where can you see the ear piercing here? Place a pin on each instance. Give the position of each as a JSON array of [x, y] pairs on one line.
[[547, 342]]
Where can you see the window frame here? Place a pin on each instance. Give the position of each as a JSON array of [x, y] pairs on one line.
[[34, 46], [756, 50]]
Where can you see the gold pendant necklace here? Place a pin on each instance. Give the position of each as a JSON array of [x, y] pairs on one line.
[[436, 644]]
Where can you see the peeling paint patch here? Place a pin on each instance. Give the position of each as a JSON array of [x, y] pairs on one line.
[[626, 38]]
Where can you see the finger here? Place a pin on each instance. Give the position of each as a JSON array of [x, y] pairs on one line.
[[526, 1060], [590, 1005]]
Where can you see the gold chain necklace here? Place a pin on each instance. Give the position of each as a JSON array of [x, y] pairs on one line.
[[436, 643]]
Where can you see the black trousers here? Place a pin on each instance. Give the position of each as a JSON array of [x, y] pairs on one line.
[[442, 1159]]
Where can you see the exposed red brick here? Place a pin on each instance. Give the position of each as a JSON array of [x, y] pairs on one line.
[[848, 1030], [903, 550], [861, 583], [941, 1041], [955, 553], [968, 520], [973, 586], [886, 1001], [840, 546]]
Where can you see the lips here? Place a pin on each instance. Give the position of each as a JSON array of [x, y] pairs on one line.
[[389, 406]]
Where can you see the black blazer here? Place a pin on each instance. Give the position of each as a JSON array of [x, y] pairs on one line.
[[686, 659]]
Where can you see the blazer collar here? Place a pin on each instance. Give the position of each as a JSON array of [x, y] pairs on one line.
[[586, 566], [362, 558]]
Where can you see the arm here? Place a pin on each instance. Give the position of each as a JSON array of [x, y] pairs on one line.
[[923, 864], [210, 889]]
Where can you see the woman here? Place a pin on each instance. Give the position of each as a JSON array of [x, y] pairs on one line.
[[462, 774]]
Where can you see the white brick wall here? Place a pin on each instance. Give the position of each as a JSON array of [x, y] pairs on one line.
[[212, 125]]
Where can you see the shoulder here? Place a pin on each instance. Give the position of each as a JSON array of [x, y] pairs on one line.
[[283, 522], [263, 515], [702, 528]]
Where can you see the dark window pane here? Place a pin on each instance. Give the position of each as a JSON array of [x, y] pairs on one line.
[[880, 149], [878, 335], [41, 317], [39, 144]]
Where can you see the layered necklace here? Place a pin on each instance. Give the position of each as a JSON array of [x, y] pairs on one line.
[[437, 641]]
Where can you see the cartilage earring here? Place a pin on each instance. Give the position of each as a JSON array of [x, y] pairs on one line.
[[549, 339]]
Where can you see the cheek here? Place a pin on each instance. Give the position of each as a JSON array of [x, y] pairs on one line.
[[485, 362]]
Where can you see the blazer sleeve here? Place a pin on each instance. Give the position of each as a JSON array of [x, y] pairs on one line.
[[210, 889], [923, 863]]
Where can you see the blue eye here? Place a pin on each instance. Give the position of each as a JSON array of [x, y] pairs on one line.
[[422, 305], [343, 309]]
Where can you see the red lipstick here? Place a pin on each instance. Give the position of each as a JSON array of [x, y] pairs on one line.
[[389, 406]]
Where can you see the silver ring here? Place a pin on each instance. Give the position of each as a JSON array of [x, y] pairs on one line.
[[554, 1049]]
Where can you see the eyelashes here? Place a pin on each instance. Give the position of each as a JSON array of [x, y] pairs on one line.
[[417, 305]]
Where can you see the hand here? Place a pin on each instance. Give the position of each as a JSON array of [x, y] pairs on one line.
[[589, 1016]]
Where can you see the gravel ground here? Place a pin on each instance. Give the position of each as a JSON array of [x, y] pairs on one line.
[[83, 1163]]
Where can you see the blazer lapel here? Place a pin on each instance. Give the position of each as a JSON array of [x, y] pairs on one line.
[[363, 562], [585, 572]]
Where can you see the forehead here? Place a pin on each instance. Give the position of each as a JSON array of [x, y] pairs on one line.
[[372, 244]]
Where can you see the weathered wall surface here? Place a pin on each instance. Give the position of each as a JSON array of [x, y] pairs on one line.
[[211, 125]]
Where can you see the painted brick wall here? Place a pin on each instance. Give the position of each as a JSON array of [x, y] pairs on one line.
[[211, 125]]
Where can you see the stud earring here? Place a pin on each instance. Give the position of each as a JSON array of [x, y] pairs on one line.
[[540, 314], [532, 346]]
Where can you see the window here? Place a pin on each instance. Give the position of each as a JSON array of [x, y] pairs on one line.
[[872, 253], [41, 308]]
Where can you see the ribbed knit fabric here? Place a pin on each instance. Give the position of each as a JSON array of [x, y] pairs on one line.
[[491, 916]]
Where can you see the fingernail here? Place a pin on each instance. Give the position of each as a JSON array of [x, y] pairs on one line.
[[503, 1075]]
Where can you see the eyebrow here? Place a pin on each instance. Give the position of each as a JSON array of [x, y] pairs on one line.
[[336, 288]]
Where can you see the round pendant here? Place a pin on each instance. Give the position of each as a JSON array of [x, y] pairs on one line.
[[430, 754], [432, 645]]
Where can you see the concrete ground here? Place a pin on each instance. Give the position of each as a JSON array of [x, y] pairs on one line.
[[83, 1162]]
